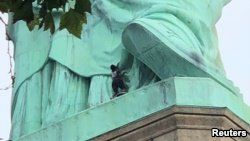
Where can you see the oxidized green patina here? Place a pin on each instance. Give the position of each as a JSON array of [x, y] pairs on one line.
[[59, 75], [142, 103]]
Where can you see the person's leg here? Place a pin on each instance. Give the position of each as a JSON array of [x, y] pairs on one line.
[[115, 87], [122, 85]]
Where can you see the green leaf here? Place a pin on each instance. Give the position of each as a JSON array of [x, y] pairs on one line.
[[63, 2], [43, 11], [41, 24], [31, 25], [83, 6], [39, 2], [73, 22], [49, 23], [53, 4], [23, 10], [4, 7]]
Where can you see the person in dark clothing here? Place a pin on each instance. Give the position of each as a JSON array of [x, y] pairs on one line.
[[118, 81]]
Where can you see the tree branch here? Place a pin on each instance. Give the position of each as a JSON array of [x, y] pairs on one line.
[[3, 21], [6, 25], [12, 77]]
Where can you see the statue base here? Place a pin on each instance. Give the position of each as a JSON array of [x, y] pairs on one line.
[[177, 109], [180, 123]]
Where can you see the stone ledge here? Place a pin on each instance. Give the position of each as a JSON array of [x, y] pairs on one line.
[[137, 105]]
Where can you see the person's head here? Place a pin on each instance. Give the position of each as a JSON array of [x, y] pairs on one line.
[[113, 67]]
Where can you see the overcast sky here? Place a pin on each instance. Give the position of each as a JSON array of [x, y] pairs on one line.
[[234, 36]]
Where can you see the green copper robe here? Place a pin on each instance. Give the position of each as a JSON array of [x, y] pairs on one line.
[[59, 75]]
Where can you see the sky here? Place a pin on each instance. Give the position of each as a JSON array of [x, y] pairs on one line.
[[234, 41]]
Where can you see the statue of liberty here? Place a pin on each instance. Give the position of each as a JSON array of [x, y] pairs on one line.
[[60, 75]]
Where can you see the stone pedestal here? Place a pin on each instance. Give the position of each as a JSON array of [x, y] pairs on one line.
[[176, 109], [180, 124]]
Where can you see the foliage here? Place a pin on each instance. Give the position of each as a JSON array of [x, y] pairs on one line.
[[71, 19]]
